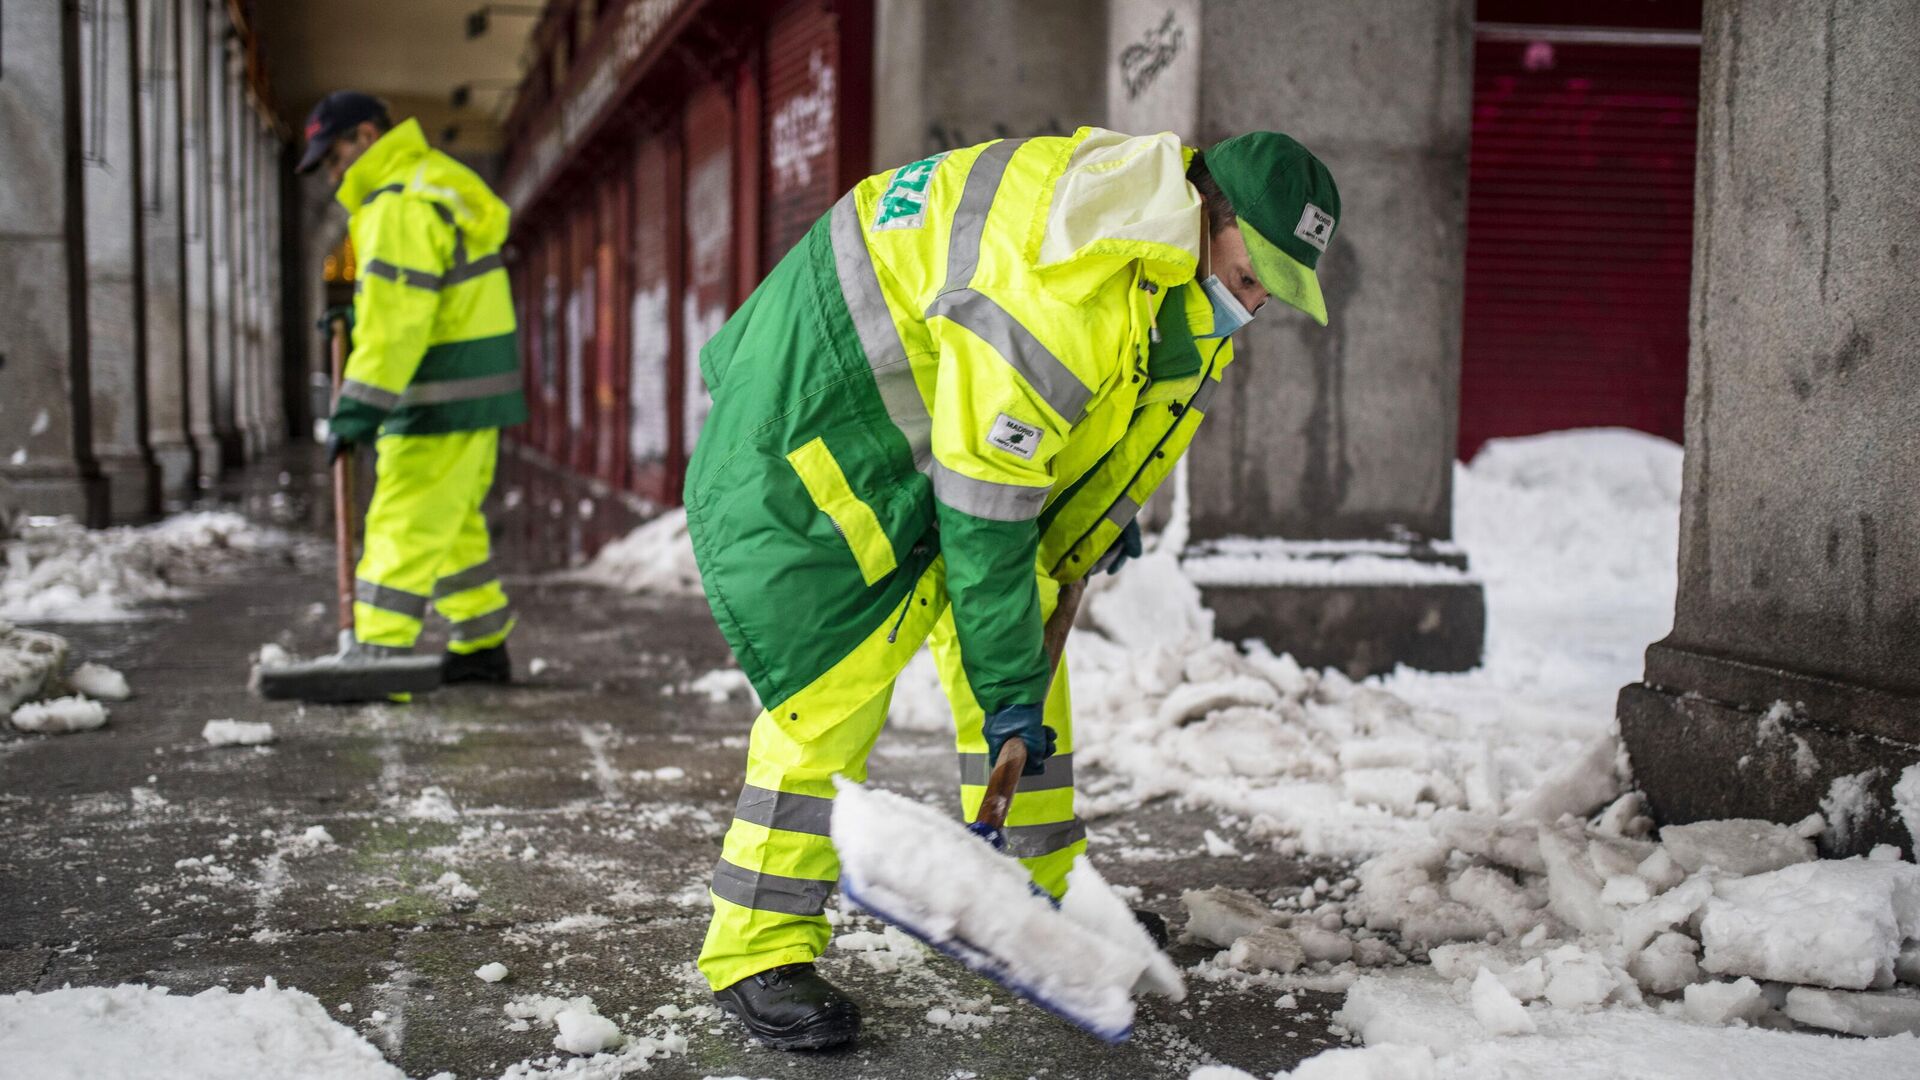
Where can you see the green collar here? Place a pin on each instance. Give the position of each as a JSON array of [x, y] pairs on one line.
[[390, 154]]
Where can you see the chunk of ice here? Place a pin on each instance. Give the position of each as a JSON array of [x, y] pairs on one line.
[[1835, 923], [1497, 1009]]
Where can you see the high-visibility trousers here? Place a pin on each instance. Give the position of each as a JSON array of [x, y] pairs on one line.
[[777, 866], [426, 542]]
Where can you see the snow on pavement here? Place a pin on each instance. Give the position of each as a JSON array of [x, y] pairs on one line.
[[57, 571], [89, 1033]]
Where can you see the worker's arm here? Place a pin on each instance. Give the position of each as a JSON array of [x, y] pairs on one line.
[[995, 430], [402, 248]]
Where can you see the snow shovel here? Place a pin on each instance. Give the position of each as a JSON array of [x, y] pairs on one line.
[[348, 675], [917, 869]]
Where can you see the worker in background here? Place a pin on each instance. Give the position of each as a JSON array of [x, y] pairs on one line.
[[950, 399], [433, 376]]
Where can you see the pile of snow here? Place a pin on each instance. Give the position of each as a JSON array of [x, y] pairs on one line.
[[100, 682], [237, 732], [722, 683], [492, 972], [30, 663], [123, 1032], [57, 571], [656, 557], [918, 867], [60, 715], [581, 1029]]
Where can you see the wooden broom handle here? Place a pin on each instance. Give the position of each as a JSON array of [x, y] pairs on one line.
[[1013, 753], [343, 506]]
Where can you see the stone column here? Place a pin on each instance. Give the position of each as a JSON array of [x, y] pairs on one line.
[[272, 296], [220, 232], [165, 264], [1331, 443], [1793, 671], [245, 354], [110, 160], [952, 73], [197, 217], [45, 420]]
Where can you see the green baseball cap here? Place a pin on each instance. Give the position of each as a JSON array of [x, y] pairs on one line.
[[1287, 208]]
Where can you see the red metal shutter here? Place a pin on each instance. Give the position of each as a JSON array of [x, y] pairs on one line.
[[610, 306], [578, 454], [553, 313], [708, 241], [650, 399], [1579, 238], [801, 138]]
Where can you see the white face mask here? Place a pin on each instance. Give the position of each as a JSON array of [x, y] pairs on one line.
[[1229, 314]]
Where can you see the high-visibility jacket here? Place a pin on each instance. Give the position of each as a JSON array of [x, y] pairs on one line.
[[434, 347], [958, 360]]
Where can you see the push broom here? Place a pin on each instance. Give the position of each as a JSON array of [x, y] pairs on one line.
[[343, 677], [1082, 960]]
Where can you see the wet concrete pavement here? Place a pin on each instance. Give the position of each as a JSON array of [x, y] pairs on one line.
[[581, 812]]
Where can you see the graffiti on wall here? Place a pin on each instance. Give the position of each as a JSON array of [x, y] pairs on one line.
[[801, 131], [1143, 61], [647, 385]]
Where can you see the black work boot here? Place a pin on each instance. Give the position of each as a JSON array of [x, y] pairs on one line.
[[487, 665], [792, 1008], [1154, 925]]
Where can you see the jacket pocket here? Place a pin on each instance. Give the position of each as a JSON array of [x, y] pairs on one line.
[[853, 519]]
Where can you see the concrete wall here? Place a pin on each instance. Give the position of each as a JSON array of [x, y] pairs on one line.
[[1348, 431], [139, 272], [953, 73], [1800, 530], [46, 438]]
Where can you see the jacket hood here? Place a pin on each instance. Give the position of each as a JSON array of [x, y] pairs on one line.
[[402, 157], [1114, 199]]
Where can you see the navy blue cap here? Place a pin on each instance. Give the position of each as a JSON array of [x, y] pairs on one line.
[[337, 114]]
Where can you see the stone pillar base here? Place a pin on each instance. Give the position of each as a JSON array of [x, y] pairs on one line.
[[70, 491], [1363, 608], [207, 457], [1718, 737], [175, 462], [133, 491]]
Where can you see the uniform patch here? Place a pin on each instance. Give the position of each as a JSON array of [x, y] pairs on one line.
[[1316, 226], [904, 204], [1014, 436]]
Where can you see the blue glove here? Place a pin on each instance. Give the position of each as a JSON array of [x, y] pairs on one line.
[[335, 447], [1024, 723], [1125, 546]]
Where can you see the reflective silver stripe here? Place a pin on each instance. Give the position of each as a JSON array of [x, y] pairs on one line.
[[1033, 841], [387, 598], [970, 217], [1058, 773], [390, 189], [481, 625], [770, 892], [1205, 394], [368, 394], [879, 338], [1056, 383], [1123, 510], [418, 279], [986, 499], [472, 577], [786, 810], [445, 390], [467, 271]]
